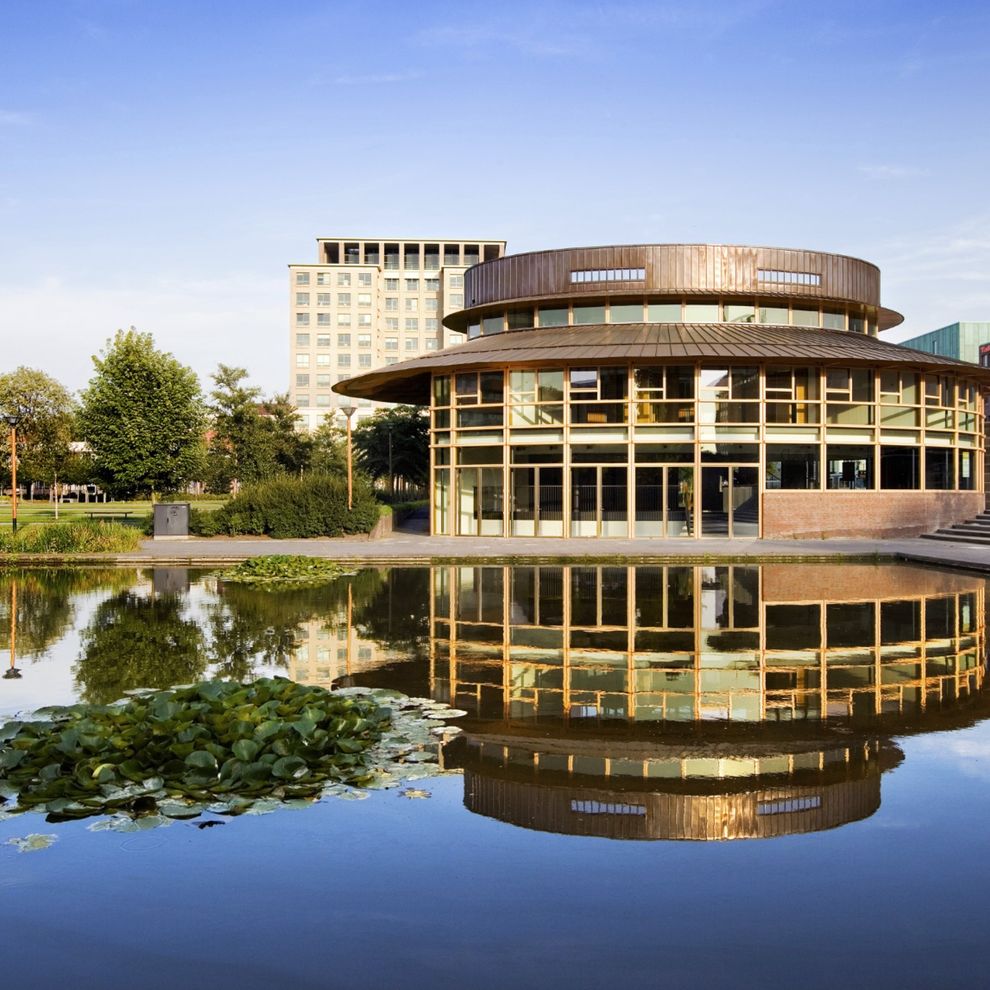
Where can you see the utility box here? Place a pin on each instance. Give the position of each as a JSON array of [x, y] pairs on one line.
[[172, 521]]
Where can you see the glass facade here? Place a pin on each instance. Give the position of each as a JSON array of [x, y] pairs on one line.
[[686, 450]]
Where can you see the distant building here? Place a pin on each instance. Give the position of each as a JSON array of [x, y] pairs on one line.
[[366, 303], [958, 340]]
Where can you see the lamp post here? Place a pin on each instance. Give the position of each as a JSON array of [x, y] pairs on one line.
[[12, 419], [348, 411], [12, 673], [391, 476]]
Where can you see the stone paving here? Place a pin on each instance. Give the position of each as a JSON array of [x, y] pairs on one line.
[[405, 547]]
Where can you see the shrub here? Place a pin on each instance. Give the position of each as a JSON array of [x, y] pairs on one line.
[[81, 536], [288, 508]]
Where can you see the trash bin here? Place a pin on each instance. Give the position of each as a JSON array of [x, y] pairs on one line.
[[172, 521]]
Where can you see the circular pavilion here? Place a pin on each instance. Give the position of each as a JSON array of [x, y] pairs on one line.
[[689, 390]]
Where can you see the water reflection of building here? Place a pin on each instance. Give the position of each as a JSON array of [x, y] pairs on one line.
[[696, 702]]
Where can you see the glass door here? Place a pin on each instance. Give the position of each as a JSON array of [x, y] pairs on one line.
[[730, 501], [479, 501], [599, 501]]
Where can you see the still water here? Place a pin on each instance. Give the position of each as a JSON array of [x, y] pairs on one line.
[[723, 775]]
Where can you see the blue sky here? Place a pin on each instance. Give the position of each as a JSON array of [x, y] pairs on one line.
[[162, 162]]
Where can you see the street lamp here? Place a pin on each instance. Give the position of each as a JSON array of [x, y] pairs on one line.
[[349, 411], [12, 673], [12, 419]]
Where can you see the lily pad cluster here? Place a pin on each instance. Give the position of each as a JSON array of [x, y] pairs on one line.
[[282, 570], [216, 745]]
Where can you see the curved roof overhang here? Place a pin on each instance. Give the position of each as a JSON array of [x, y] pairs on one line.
[[731, 343]]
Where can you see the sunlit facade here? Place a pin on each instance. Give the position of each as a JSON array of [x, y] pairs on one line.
[[689, 391]]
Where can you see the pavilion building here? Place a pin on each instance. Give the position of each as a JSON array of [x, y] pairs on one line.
[[672, 390]]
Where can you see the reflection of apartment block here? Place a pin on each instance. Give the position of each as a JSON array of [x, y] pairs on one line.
[[368, 303], [328, 650]]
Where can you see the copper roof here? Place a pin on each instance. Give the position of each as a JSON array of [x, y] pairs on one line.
[[409, 381]]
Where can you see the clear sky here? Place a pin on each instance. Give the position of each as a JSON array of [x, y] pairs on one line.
[[162, 162]]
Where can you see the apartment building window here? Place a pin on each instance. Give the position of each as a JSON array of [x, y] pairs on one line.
[[391, 304], [431, 323], [431, 345], [364, 360], [431, 284], [457, 281], [364, 298], [343, 278], [431, 305], [391, 344], [391, 323], [412, 344], [391, 360], [412, 305], [322, 381], [323, 360], [323, 319], [302, 278], [323, 340], [302, 381], [323, 400], [342, 378], [302, 360], [364, 319], [391, 285], [412, 285], [364, 278], [302, 340], [323, 278], [302, 298], [364, 340], [343, 340], [343, 319], [302, 319], [322, 298], [343, 299], [302, 401], [412, 324], [343, 360]]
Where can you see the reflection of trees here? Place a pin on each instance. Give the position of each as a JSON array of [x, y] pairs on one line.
[[45, 606], [398, 615], [249, 626], [134, 641]]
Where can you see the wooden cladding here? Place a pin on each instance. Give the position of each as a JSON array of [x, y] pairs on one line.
[[703, 269]]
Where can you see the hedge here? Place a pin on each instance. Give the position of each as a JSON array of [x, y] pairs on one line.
[[291, 508]]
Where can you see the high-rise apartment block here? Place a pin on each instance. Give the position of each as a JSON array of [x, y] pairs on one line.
[[371, 302]]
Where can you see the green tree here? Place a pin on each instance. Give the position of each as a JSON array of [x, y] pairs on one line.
[[403, 430], [241, 447], [143, 417], [44, 433], [133, 642], [292, 447], [328, 450]]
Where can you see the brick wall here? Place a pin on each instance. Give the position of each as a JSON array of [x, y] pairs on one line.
[[821, 515]]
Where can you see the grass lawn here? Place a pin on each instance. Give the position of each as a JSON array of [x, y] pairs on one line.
[[43, 512]]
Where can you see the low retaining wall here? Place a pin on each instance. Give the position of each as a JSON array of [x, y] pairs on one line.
[[885, 514]]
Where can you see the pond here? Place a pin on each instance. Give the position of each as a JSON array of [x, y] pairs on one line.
[[728, 774]]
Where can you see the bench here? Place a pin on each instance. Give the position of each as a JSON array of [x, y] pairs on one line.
[[122, 514]]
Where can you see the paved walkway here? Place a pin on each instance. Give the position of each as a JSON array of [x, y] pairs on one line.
[[420, 548]]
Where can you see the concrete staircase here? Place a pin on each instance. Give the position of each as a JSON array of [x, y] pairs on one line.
[[971, 531]]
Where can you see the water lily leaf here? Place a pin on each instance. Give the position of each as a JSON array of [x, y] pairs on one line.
[[413, 792], [289, 767], [34, 842], [202, 760], [245, 750]]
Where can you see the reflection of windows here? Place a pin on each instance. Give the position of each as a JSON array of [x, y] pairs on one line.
[[849, 467], [793, 466]]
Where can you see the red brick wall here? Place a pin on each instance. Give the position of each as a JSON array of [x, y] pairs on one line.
[[820, 515]]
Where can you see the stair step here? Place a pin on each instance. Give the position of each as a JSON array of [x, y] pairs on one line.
[[950, 537]]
